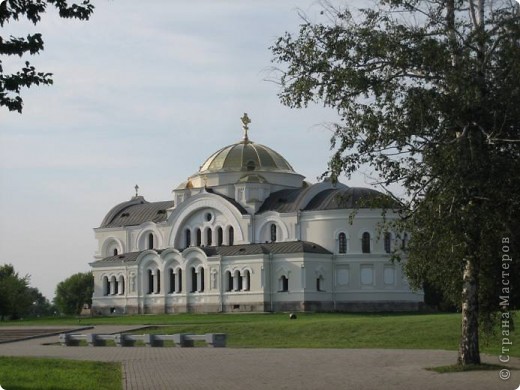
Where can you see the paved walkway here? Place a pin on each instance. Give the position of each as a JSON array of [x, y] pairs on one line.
[[241, 368]]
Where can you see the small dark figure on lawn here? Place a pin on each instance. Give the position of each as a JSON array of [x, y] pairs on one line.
[[292, 316]]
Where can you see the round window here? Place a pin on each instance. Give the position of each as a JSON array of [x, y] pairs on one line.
[[209, 217]]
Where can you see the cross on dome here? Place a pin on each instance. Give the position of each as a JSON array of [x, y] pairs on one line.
[[245, 126]]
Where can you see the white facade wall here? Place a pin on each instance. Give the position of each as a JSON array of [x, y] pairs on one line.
[[152, 268]]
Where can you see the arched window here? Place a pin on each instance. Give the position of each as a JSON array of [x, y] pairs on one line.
[[158, 282], [199, 236], [115, 251], [201, 280], [342, 243], [404, 242], [150, 241], [388, 242], [319, 283], [273, 232], [187, 235], [150, 281], [179, 280], [220, 236], [106, 285], [283, 284], [231, 235], [209, 237], [171, 278], [193, 279], [229, 281], [365, 242]]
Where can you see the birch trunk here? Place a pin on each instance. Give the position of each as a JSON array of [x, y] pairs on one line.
[[469, 345]]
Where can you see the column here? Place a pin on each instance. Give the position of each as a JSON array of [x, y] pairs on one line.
[[112, 285], [236, 275], [177, 281], [245, 281], [156, 285], [199, 280], [121, 286]]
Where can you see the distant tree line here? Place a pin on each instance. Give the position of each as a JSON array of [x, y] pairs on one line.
[[19, 300]]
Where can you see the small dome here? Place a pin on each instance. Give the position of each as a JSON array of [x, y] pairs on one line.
[[245, 156]]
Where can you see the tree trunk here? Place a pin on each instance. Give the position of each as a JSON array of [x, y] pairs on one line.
[[469, 345]]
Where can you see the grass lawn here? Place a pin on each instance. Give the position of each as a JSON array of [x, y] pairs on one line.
[[58, 374], [309, 330]]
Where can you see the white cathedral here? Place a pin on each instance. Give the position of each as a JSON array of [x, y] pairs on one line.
[[247, 233]]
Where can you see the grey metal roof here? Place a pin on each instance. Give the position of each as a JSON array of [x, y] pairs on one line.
[[284, 201], [235, 250], [290, 200], [129, 257], [136, 212], [350, 198], [272, 247], [123, 258]]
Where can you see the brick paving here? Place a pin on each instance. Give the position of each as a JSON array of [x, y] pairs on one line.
[[241, 368]]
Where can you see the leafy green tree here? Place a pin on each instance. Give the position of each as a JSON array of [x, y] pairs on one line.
[[13, 10], [41, 306], [15, 295], [428, 95], [74, 292]]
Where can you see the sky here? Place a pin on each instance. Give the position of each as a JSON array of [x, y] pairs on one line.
[[143, 93]]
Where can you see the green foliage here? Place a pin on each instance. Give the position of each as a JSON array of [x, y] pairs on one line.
[[18, 299], [428, 95], [74, 292], [13, 10], [42, 373], [15, 296]]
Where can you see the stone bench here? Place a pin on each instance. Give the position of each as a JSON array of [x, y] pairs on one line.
[[93, 340], [215, 340]]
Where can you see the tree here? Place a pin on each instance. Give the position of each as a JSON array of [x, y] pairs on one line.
[[15, 294], [428, 94], [40, 305], [74, 292], [11, 84]]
